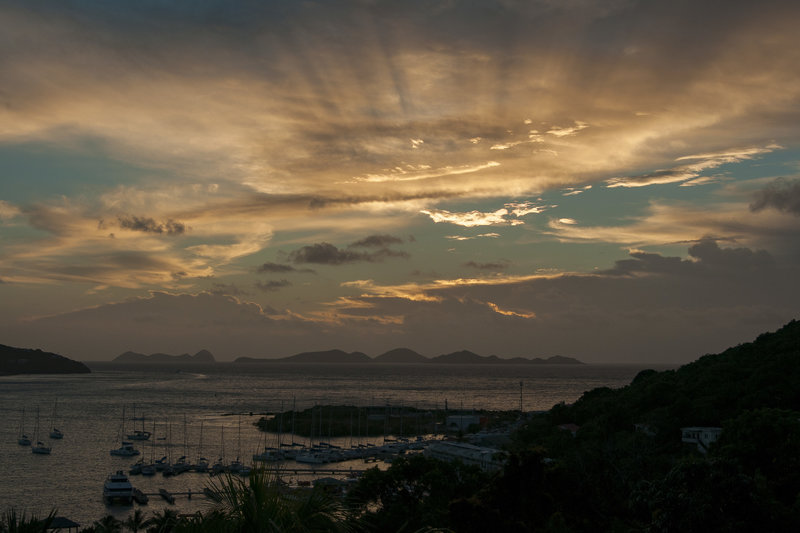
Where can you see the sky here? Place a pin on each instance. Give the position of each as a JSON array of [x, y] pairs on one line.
[[615, 181]]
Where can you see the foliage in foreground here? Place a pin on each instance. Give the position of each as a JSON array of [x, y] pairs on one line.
[[12, 522]]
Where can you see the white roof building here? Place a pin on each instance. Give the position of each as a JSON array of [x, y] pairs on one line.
[[702, 436]]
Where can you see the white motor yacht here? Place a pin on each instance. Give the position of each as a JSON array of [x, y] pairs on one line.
[[118, 488]]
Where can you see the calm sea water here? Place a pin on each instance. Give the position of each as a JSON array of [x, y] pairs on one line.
[[211, 410]]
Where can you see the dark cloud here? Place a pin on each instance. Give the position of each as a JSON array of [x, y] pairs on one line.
[[642, 262], [279, 268], [486, 266], [328, 254], [743, 259], [148, 225], [781, 194], [376, 241], [272, 285], [708, 257]]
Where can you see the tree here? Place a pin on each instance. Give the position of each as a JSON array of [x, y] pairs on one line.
[[415, 492], [107, 524], [136, 521], [261, 504], [11, 522], [163, 522]]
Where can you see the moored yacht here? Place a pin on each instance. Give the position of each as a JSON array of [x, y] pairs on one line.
[[118, 488], [41, 449], [126, 450]]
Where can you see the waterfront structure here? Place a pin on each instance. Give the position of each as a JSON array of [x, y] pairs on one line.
[[488, 459]]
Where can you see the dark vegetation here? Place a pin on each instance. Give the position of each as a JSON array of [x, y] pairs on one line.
[[623, 469], [27, 361]]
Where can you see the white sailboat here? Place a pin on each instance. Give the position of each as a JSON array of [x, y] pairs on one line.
[[39, 448], [55, 433], [138, 434], [23, 439], [127, 449]]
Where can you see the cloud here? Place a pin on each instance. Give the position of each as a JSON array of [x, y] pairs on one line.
[[8, 211], [272, 285], [781, 194], [148, 225], [567, 131], [466, 238], [280, 268], [708, 252], [664, 223], [423, 172], [487, 266], [225, 289], [327, 254], [505, 312], [717, 297], [376, 241], [689, 173]]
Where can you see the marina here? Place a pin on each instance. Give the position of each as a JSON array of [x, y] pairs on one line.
[[219, 407]]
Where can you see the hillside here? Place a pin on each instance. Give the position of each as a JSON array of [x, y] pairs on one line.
[[761, 374], [323, 357], [401, 355], [405, 355], [28, 361], [203, 356], [623, 457]]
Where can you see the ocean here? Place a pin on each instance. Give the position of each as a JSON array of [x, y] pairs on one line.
[[211, 410]]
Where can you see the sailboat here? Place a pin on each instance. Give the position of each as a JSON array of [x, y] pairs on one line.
[[39, 448], [127, 449], [138, 434], [219, 465], [23, 439], [149, 469], [55, 433], [202, 463]]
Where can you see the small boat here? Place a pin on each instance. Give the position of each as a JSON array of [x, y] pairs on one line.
[[269, 455], [218, 467], [117, 488], [140, 497], [126, 450], [181, 465], [169, 498], [162, 463], [138, 434], [136, 468], [148, 470], [23, 439], [201, 465], [41, 449], [55, 433], [311, 457]]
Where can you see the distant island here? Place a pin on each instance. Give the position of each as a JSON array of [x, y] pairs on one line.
[[203, 356], [405, 355], [28, 361]]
